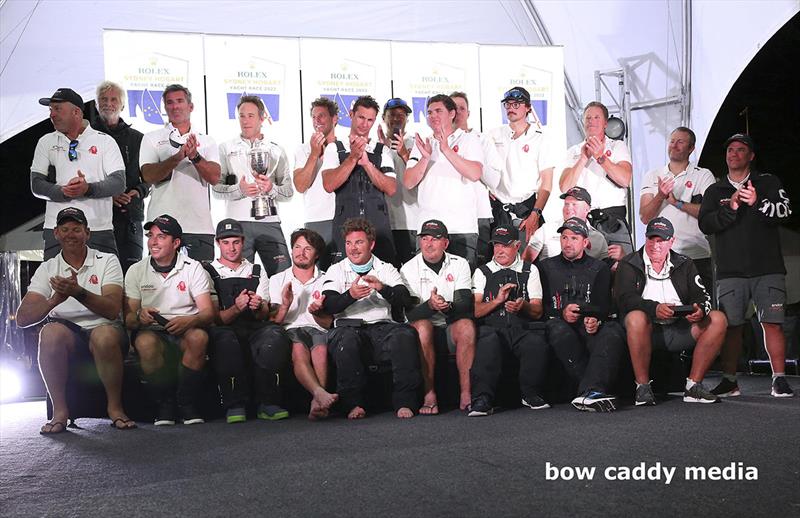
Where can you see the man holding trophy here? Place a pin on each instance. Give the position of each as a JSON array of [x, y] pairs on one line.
[[255, 175]]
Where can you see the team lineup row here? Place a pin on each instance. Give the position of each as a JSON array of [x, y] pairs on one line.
[[449, 172]]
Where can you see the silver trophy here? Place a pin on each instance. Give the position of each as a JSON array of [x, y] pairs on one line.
[[263, 204]]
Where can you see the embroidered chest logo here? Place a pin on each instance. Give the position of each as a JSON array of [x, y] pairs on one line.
[[93, 279], [689, 184], [316, 295], [93, 150], [450, 277], [181, 286], [526, 148], [455, 148], [608, 152]]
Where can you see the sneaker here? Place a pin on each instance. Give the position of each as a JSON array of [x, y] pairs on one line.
[[781, 388], [535, 402], [644, 395], [595, 401], [272, 412], [699, 394], [166, 414], [480, 406], [235, 415], [189, 415], [726, 388]]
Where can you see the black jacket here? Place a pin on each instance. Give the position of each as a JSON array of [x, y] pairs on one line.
[[584, 281], [630, 279]]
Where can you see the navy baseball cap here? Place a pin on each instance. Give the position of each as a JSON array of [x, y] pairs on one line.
[[229, 228], [743, 138], [396, 102], [576, 225], [435, 228], [579, 193], [166, 224], [71, 214], [518, 94], [63, 95], [504, 234], [661, 227]]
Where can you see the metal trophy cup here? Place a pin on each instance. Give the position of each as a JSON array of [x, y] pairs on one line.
[[263, 204]]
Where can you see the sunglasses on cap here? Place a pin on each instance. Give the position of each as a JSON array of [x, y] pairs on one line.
[[72, 152], [396, 103], [514, 94]]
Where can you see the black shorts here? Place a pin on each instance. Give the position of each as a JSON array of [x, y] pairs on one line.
[[673, 337], [309, 336]]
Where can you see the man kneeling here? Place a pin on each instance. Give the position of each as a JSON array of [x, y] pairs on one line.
[[651, 286]]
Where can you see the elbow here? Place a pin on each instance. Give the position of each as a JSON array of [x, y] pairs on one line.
[[23, 320]]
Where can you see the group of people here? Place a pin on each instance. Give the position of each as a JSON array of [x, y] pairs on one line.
[[409, 243]]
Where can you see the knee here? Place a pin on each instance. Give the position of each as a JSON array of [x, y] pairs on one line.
[[194, 343], [406, 336], [105, 341], [637, 321], [718, 319], [300, 353], [424, 328], [54, 337], [148, 347]]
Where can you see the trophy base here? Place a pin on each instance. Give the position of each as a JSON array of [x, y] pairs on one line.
[[258, 214]]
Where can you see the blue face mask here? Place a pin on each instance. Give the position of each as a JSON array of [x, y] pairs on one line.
[[361, 269]]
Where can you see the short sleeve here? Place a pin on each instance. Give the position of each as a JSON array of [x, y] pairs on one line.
[[330, 158], [200, 281], [650, 183], [112, 158], [478, 282], [463, 279], [301, 156], [133, 281], [534, 284], [40, 282], [148, 154], [209, 149], [113, 272], [387, 163], [41, 158]]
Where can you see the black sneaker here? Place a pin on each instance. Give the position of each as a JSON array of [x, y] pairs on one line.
[[699, 394], [781, 388], [726, 388], [189, 415], [480, 406], [644, 395], [165, 416], [535, 402], [595, 401]]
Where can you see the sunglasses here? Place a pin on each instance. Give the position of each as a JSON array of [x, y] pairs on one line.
[[72, 152], [172, 141], [395, 103], [513, 94]]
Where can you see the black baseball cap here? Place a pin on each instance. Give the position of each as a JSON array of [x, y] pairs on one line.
[[396, 102], [579, 193], [435, 228], [229, 228], [167, 225], [743, 138], [661, 227], [517, 94], [71, 214], [63, 95], [576, 225], [504, 234]]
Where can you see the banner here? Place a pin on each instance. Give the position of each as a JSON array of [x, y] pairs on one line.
[[144, 63], [422, 70]]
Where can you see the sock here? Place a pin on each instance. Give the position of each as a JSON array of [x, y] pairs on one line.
[[777, 375], [729, 377], [642, 384], [689, 384]]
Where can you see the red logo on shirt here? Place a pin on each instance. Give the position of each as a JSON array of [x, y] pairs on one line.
[[93, 150], [689, 184], [181, 286], [450, 277], [93, 279], [525, 148], [608, 152], [455, 148], [316, 294]]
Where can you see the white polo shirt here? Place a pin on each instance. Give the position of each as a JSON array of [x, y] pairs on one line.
[[99, 269], [235, 159], [420, 279], [244, 270], [304, 294], [547, 241], [443, 193], [183, 195], [534, 285], [492, 171], [689, 240], [320, 205], [523, 158], [593, 178], [658, 286], [403, 207], [173, 295], [373, 308], [98, 157]]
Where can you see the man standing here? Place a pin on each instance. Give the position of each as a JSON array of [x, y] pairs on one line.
[[299, 289], [360, 292], [128, 205], [319, 203], [240, 185], [244, 331], [76, 166], [649, 285], [528, 159], [168, 306], [361, 174], [603, 167], [445, 169], [508, 298], [442, 283], [181, 164], [675, 192], [80, 293], [743, 211], [576, 290]]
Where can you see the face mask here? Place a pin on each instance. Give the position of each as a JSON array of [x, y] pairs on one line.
[[361, 269]]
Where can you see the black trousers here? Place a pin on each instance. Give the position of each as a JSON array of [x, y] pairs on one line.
[[236, 351], [528, 346], [354, 349], [591, 361], [128, 235]]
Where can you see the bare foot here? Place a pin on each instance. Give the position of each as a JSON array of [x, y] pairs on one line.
[[357, 413], [466, 399], [316, 411], [324, 398], [405, 413], [429, 404]]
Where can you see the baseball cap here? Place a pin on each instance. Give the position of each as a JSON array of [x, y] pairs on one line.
[[576, 225], [517, 94], [229, 228], [661, 227], [396, 102], [743, 138], [167, 225], [63, 95], [579, 193], [435, 228], [71, 214], [504, 234]]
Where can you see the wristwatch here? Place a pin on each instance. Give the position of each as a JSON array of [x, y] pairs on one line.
[[679, 205], [196, 158]]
